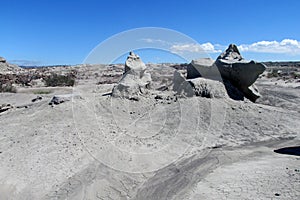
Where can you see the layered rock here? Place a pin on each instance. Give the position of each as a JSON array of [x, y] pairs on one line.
[[136, 79]]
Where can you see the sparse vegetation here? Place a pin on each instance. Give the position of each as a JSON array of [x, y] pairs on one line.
[[8, 87], [55, 80], [42, 92], [272, 74]]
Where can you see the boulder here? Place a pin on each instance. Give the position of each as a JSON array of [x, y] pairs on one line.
[[58, 99], [136, 79], [200, 86], [208, 88], [5, 107], [203, 67], [181, 86], [241, 73]]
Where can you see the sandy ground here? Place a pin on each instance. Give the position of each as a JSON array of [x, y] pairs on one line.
[[97, 147]]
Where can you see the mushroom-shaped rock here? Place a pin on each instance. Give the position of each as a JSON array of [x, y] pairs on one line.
[[135, 81], [241, 73]]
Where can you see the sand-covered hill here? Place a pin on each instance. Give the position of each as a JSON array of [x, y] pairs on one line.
[[6, 67]]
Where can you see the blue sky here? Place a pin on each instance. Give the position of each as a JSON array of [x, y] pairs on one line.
[[45, 32]]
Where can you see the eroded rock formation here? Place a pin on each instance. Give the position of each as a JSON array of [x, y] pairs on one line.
[[135, 81], [241, 73], [238, 74]]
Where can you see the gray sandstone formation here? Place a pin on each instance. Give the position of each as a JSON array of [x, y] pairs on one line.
[[241, 73], [136, 79], [238, 75], [181, 86], [208, 88], [200, 86], [203, 67], [134, 63]]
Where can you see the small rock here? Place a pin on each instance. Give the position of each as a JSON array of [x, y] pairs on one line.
[[37, 98], [58, 99], [5, 107]]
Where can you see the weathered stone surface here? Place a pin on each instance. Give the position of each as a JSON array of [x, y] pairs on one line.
[[241, 73], [134, 63], [238, 74], [199, 68], [181, 86], [208, 88], [202, 87], [135, 81]]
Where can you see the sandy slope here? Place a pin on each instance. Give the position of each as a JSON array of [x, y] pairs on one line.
[[96, 147]]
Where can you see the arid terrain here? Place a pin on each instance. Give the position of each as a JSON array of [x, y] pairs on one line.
[[65, 136]]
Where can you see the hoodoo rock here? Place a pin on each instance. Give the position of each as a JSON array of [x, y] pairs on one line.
[[241, 73], [134, 63], [136, 79], [237, 73]]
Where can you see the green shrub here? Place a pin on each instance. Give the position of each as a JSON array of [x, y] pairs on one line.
[[272, 74], [55, 80]]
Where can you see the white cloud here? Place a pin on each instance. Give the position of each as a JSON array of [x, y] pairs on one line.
[[286, 46], [25, 62], [206, 47], [151, 40]]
